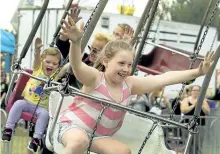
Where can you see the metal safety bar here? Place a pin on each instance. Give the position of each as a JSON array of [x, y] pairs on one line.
[[76, 92], [57, 111], [145, 34]]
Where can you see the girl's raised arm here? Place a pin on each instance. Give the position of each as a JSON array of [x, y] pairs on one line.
[[37, 51], [85, 74]]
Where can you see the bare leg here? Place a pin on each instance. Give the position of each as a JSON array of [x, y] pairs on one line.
[[29, 152], [109, 146], [75, 141]]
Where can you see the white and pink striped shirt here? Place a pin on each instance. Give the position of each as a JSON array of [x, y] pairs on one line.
[[84, 112]]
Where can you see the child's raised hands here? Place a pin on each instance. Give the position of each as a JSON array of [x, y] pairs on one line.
[[38, 44], [74, 13], [129, 32], [207, 63], [71, 31]]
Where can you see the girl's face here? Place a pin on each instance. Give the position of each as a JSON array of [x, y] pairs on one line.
[[50, 63], [119, 67], [118, 33], [195, 91]]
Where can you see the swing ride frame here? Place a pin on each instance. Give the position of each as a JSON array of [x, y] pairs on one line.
[[151, 8]]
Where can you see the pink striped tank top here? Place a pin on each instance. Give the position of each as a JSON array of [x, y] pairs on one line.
[[84, 112]]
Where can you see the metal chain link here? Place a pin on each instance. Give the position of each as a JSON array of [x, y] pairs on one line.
[[154, 38], [213, 41], [142, 29], [153, 22], [194, 57], [155, 124], [145, 20], [31, 126], [95, 128], [90, 18], [67, 58], [193, 125], [216, 34]]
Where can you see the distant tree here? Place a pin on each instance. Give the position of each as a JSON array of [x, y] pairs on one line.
[[192, 11]]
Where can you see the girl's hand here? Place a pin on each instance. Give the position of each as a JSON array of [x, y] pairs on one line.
[[38, 44], [206, 64], [71, 31]]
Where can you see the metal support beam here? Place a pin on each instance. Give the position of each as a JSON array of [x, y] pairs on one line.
[[146, 31], [92, 23], [142, 21], [27, 45], [33, 31], [61, 22], [203, 90]]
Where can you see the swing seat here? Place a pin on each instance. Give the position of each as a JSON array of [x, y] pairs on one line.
[[160, 60], [128, 134], [16, 95]]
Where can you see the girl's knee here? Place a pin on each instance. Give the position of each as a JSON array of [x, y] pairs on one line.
[[44, 114], [126, 150], [20, 103], [75, 139], [79, 144]]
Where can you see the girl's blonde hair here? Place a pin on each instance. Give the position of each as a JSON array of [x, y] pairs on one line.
[[52, 52], [110, 50]]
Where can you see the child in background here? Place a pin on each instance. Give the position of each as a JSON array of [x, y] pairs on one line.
[[44, 66]]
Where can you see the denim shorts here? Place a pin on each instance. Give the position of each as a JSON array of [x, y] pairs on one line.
[[63, 127]]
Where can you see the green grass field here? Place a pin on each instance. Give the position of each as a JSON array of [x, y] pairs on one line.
[[19, 142]]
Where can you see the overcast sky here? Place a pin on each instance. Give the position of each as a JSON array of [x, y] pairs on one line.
[[8, 7]]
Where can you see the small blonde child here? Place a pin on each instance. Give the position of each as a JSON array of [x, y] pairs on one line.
[[113, 82], [44, 66]]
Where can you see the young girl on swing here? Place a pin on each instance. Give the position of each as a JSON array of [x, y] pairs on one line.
[[44, 66], [111, 80]]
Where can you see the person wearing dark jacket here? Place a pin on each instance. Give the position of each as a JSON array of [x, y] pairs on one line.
[[98, 43]]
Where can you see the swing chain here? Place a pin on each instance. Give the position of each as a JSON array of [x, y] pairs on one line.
[[216, 34], [67, 58], [153, 22], [63, 88], [193, 126], [213, 41], [95, 128], [156, 30], [155, 124], [143, 25], [205, 33], [194, 56], [16, 68], [31, 126], [90, 18]]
